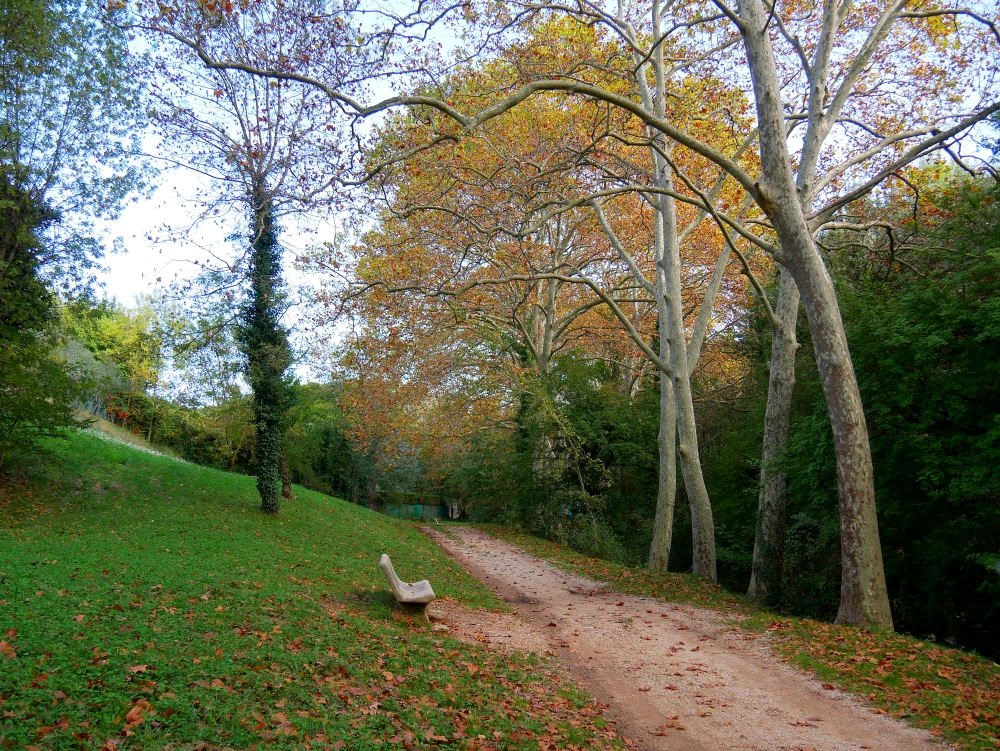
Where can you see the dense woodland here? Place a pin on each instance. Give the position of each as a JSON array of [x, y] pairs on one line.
[[678, 285]]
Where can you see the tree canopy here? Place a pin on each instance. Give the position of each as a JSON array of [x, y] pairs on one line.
[[68, 116], [819, 145]]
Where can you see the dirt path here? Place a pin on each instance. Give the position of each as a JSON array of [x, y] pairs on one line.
[[674, 677]]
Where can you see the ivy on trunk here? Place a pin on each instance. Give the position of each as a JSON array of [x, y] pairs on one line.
[[264, 343]]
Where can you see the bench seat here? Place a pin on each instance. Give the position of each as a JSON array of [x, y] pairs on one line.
[[417, 593]]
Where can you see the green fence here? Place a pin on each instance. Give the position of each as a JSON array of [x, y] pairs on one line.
[[416, 510]]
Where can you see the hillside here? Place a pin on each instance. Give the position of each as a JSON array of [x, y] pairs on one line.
[[146, 603]]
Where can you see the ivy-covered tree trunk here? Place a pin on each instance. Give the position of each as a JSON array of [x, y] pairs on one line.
[[264, 343]]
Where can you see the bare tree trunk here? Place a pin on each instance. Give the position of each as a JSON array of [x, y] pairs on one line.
[[702, 523], [864, 600], [286, 478], [769, 546], [676, 404], [152, 416], [666, 486]]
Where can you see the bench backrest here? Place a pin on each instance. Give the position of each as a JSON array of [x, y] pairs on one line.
[[419, 592]]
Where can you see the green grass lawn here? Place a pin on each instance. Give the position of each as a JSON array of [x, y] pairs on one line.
[[954, 694], [146, 603]]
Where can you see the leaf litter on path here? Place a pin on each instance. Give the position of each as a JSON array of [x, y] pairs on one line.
[[674, 677]]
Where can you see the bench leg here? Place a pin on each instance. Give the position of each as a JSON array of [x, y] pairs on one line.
[[415, 608]]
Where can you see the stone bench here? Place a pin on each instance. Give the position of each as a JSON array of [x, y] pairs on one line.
[[415, 595]]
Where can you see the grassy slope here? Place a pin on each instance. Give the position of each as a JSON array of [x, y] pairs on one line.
[[119, 434], [146, 603], [952, 693]]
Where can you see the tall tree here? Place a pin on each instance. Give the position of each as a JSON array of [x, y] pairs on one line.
[[69, 120], [456, 249], [66, 148], [843, 100], [505, 181], [268, 148], [264, 342], [791, 191], [37, 389]]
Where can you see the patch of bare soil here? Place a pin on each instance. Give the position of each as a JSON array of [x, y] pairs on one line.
[[674, 677]]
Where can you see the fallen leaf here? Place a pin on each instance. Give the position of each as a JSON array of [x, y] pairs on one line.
[[7, 650], [137, 714]]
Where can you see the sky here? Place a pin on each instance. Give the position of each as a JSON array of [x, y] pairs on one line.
[[147, 265], [152, 259]]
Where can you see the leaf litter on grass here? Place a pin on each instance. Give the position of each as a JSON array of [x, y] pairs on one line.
[[954, 694], [148, 604]]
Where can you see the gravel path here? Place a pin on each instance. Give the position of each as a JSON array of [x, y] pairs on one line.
[[674, 677]]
